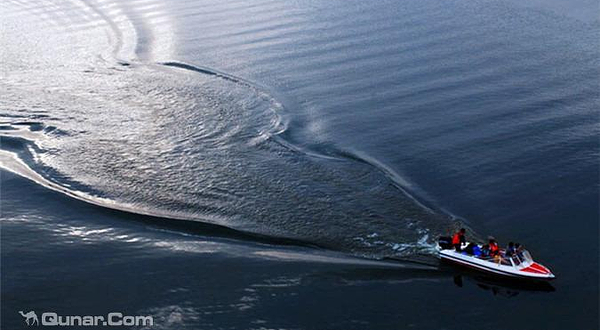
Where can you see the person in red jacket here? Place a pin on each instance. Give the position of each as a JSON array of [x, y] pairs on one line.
[[493, 246], [458, 239]]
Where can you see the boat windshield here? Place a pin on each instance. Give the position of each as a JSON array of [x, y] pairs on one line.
[[521, 257], [515, 260]]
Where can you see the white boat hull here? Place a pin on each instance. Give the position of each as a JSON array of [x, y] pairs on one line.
[[528, 269]]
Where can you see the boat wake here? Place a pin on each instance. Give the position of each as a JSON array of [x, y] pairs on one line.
[[173, 141]]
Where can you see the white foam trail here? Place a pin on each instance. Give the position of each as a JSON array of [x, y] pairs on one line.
[[336, 259]]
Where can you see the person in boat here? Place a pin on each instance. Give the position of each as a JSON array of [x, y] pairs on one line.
[[458, 239], [519, 250], [485, 251], [493, 248], [510, 250], [494, 251]]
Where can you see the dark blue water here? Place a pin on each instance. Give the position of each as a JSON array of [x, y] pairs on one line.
[[255, 164]]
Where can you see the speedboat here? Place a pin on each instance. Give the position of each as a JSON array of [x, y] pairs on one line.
[[518, 266]]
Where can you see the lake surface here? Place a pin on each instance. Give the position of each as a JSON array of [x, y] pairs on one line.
[[290, 165]]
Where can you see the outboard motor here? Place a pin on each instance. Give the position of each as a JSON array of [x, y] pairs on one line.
[[445, 242]]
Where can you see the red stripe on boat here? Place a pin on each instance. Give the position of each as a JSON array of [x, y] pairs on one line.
[[536, 268]]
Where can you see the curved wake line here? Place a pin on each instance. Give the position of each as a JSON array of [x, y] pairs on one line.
[[210, 72], [11, 163], [397, 180], [281, 126]]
